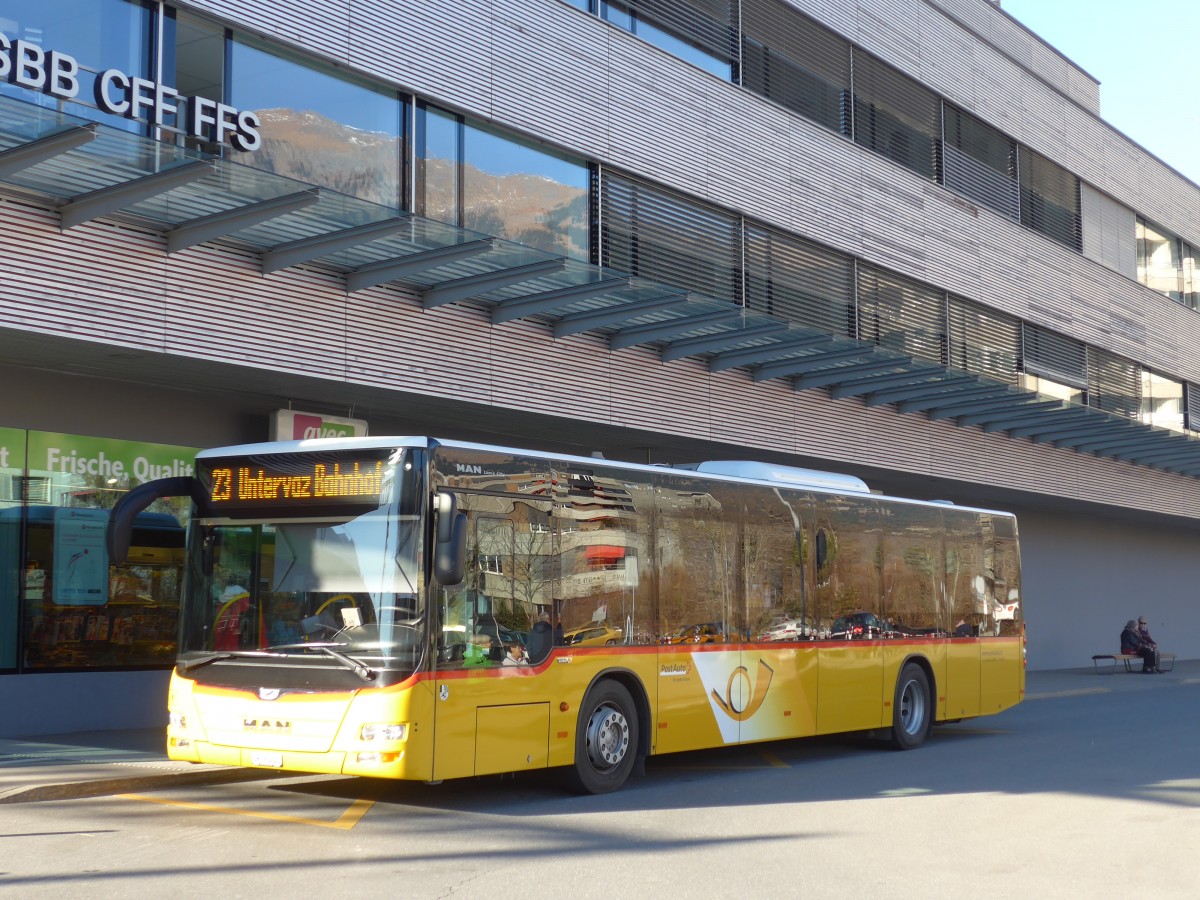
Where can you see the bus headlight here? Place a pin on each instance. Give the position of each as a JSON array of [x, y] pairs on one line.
[[391, 731], [178, 720]]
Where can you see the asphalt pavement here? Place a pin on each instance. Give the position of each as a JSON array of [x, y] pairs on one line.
[[103, 763]]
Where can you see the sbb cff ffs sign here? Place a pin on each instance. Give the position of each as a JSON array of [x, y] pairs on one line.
[[27, 65]]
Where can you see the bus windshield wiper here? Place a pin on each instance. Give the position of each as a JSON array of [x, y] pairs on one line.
[[187, 666], [364, 672]]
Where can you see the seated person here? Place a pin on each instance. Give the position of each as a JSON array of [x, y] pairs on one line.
[[1133, 645], [478, 651], [515, 655]]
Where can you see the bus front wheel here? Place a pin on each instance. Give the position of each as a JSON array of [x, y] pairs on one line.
[[606, 740], [912, 712]]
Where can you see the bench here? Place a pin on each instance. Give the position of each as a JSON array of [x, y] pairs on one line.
[[1165, 660]]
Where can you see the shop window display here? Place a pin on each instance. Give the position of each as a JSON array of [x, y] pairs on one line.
[[75, 609]]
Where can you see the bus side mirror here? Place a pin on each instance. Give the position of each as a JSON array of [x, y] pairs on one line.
[[450, 549], [449, 557]]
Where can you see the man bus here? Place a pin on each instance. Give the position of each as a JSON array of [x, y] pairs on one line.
[[379, 579]]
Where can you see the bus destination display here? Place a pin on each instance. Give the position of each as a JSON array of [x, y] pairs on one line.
[[255, 483]]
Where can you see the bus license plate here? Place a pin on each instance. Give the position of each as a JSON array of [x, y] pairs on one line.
[[267, 760]]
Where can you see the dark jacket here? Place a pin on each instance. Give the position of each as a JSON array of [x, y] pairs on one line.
[[1131, 642], [541, 639]]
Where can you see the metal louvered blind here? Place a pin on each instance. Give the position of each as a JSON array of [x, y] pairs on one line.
[[983, 341], [895, 116], [710, 25], [980, 162], [1114, 383], [1048, 354], [792, 60], [805, 284], [902, 315], [654, 233], [1049, 199], [1191, 399]]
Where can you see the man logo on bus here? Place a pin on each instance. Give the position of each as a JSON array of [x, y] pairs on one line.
[[729, 704]]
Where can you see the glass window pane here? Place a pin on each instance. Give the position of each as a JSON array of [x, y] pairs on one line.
[[698, 31], [515, 191], [194, 62], [78, 610], [1191, 276], [319, 128], [1162, 401], [99, 35], [1158, 259], [439, 154]]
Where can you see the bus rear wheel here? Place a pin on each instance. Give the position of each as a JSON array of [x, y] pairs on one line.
[[606, 740], [912, 712]]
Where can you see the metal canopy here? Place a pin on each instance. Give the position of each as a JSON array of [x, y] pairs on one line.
[[48, 146], [830, 355], [715, 343], [881, 394], [88, 171], [780, 346], [649, 332]]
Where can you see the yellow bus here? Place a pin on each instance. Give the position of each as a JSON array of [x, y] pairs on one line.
[[424, 609]]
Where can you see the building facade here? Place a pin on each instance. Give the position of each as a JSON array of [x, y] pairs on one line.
[[890, 238]]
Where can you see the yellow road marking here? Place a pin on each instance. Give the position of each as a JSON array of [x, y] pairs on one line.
[[774, 761], [345, 821]]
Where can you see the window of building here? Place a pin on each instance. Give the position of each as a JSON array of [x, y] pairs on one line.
[[194, 53], [899, 314], [698, 31], [983, 341], [1162, 401], [1114, 383], [895, 116], [666, 237], [99, 35], [318, 127], [71, 607], [1191, 275], [1158, 260], [1049, 199], [480, 179], [1053, 364], [805, 284], [792, 60], [980, 162]]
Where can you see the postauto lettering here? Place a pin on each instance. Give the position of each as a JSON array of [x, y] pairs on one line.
[[28, 65]]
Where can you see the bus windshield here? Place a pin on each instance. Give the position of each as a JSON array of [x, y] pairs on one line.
[[266, 588]]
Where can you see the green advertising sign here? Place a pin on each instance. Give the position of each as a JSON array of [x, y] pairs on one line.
[[108, 459], [12, 448]]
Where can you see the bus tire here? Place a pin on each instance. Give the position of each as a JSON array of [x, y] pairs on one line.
[[606, 740], [912, 712]]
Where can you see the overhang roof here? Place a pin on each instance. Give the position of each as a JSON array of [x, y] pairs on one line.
[[88, 170]]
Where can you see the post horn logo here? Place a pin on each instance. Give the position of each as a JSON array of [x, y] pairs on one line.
[[730, 707]]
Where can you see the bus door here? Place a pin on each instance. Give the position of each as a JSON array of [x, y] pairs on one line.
[[492, 713]]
